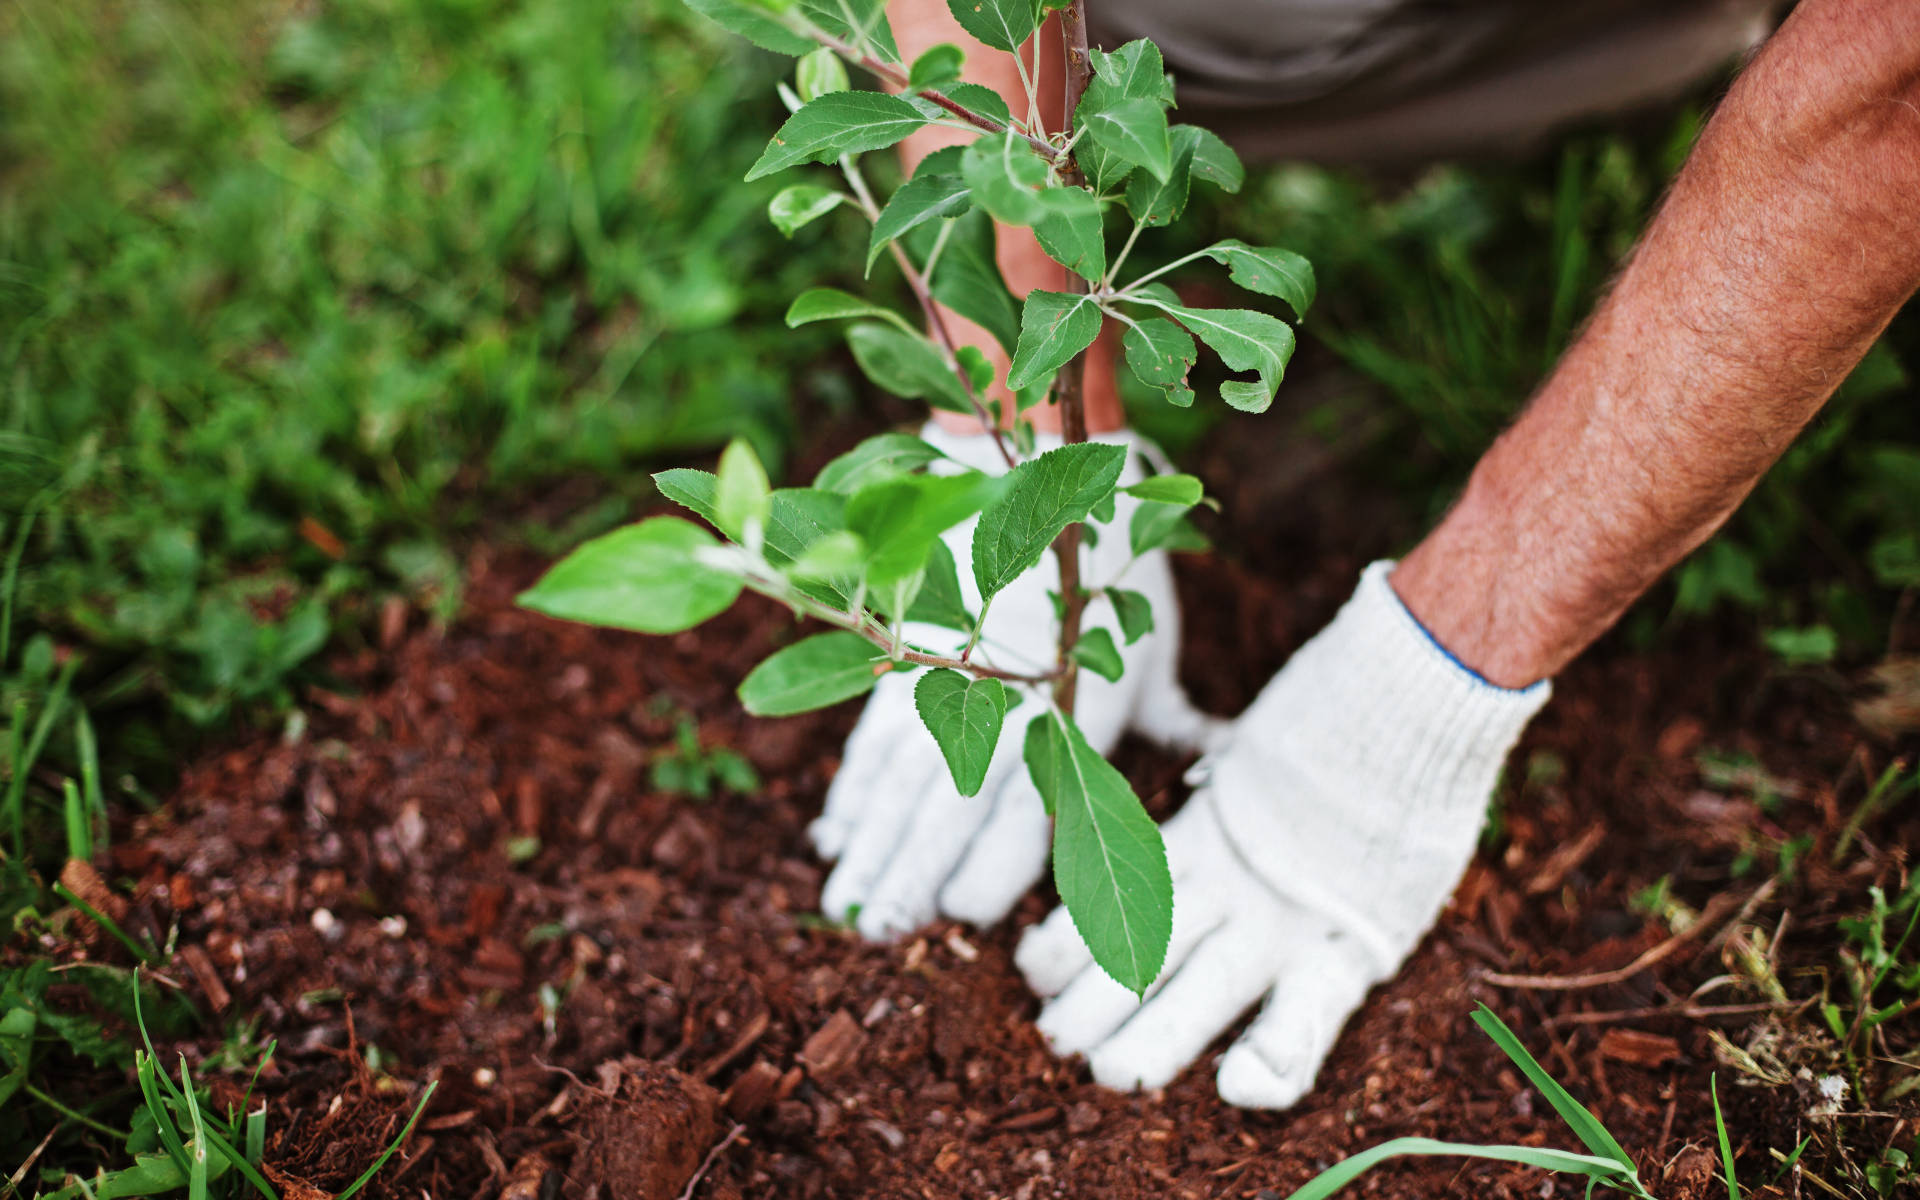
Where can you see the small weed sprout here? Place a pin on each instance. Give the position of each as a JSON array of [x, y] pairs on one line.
[[860, 550]]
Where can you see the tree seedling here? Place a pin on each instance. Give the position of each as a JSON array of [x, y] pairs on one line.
[[860, 550]]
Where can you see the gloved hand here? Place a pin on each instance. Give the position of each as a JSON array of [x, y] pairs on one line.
[[909, 846], [1324, 839]]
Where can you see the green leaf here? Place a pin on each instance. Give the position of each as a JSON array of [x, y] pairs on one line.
[[1246, 341], [1105, 171], [1054, 326], [813, 673], [919, 200], [1160, 354], [1096, 652], [1134, 71], [1213, 160], [646, 577], [940, 601], [1005, 175], [906, 364], [1047, 494], [1587, 1127], [1158, 526], [833, 557], [1134, 611], [835, 124], [1002, 24], [819, 73], [1071, 231], [1109, 863], [1160, 202], [742, 494], [1268, 270], [801, 203], [796, 518], [862, 24], [964, 715], [832, 304], [979, 368], [967, 280], [1133, 131], [980, 100], [1341, 1174], [901, 518], [755, 24], [1184, 490], [936, 67], [881, 456]]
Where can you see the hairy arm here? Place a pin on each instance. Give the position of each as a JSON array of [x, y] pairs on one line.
[[1785, 246]]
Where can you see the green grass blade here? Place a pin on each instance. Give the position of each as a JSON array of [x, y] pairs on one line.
[[373, 1170], [251, 1173], [1726, 1143], [25, 756], [1342, 1173], [79, 823], [257, 1135], [1587, 1127], [88, 748], [197, 1173], [144, 1073], [12, 577]]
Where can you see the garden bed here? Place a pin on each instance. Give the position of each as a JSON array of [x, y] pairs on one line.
[[462, 870]]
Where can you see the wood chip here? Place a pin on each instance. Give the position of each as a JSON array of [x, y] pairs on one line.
[[1039, 1118], [834, 1046], [1638, 1048], [211, 985], [749, 1034], [526, 1180], [1562, 862], [753, 1091], [83, 881]]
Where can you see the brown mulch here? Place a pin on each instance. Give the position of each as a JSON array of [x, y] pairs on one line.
[[605, 1007]]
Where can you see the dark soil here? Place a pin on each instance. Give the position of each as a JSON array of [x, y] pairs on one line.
[[647, 986]]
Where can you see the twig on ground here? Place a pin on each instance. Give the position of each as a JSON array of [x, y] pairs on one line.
[[1716, 912], [706, 1164]]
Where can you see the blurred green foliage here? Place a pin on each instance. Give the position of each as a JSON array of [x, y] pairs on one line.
[[288, 293], [1455, 293]]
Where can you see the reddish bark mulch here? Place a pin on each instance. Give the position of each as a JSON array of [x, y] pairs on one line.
[[603, 1007]]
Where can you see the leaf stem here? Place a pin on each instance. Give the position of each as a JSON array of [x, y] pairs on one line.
[[894, 76], [776, 586], [1113, 272], [917, 282], [1150, 276]]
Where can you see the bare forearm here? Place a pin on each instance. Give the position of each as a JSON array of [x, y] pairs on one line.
[[1786, 245]]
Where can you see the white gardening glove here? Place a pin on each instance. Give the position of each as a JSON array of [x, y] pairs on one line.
[[910, 846], [1326, 836]]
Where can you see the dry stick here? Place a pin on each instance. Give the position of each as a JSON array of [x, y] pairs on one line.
[[706, 1164], [1715, 912], [1073, 411]]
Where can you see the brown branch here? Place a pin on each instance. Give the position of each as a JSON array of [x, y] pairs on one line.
[[1072, 385], [893, 75]]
